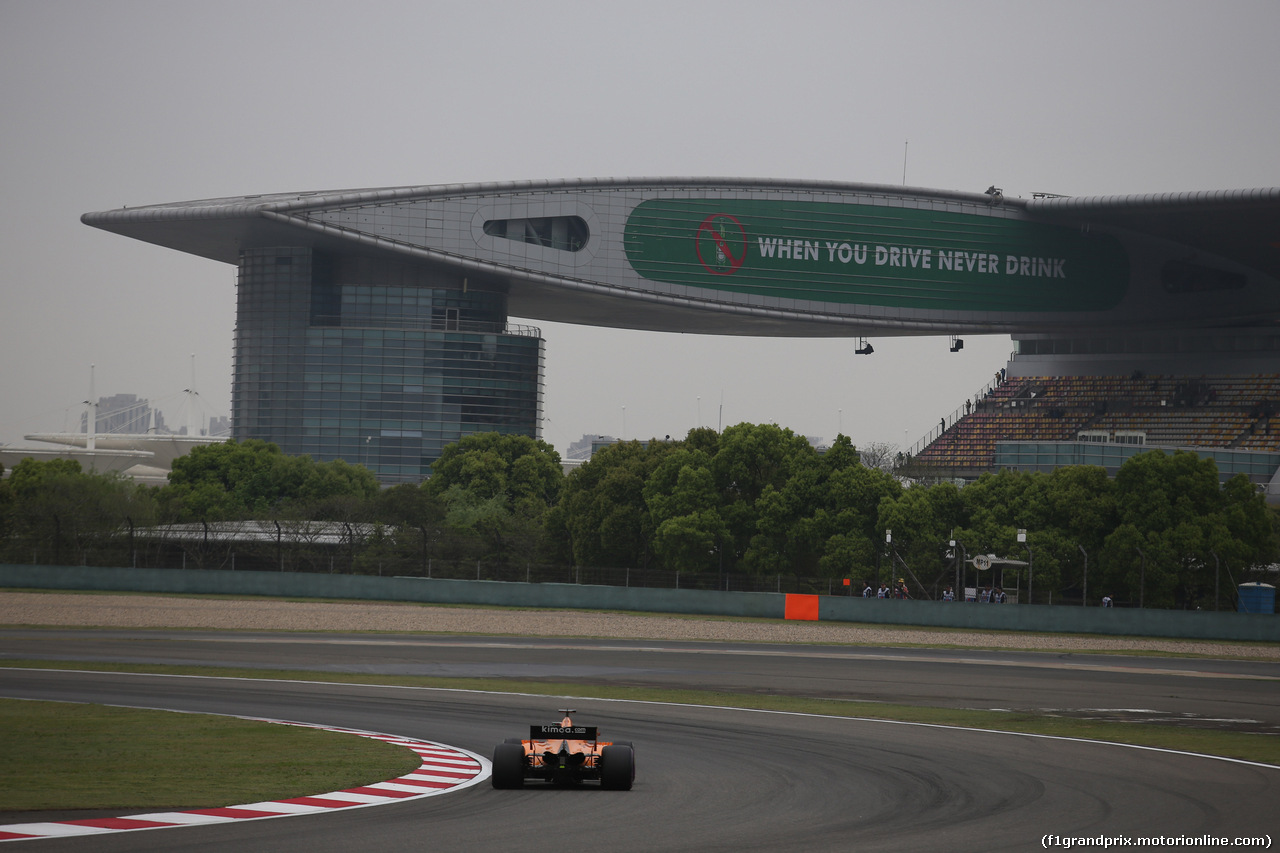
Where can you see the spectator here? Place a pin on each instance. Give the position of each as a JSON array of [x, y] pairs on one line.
[[948, 594], [997, 596], [1106, 601], [866, 590]]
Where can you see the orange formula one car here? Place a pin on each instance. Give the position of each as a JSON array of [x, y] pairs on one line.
[[565, 754]]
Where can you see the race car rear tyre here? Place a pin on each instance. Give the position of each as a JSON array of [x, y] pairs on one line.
[[508, 765], [617, 767]]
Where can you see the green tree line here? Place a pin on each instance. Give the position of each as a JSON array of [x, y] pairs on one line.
[[753, 500]]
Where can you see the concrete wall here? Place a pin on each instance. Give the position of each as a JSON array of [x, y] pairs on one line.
[[1038, 618]]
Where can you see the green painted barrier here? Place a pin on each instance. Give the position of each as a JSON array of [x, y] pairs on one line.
[[1054, 619], [368, 587], [1008, 617]]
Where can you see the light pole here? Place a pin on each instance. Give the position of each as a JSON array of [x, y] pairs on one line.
[[957, 548], [888, 543], [1022, 537], [1084, 596]]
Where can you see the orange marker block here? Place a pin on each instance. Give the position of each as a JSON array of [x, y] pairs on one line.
[[802, 607]]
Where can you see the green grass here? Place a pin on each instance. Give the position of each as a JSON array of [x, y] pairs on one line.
[[60, 756], [1243, 745]]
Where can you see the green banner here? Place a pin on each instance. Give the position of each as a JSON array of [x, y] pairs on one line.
[[897, 257]]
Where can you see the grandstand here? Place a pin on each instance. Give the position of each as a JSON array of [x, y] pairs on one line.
[[1042, 422]]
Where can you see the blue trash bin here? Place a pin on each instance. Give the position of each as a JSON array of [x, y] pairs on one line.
[[1257, 598]]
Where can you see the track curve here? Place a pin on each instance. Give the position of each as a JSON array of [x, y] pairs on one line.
[[710, 779], [442, 769]]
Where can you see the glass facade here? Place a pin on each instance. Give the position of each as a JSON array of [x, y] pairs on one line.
[[1047, 456], [378, 362]]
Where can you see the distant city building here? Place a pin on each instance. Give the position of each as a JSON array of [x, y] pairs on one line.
[[581, 449], [129, 438], [120, 413], [219, 426]]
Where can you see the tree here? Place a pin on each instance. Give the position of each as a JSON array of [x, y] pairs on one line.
[[498, 490], [525, 471], [847, 515], [684, 505], [1079, 512], [919, 534], [681, 484], [6, 511], [822, 520], [750, 458], [254, 479], [1173, 514], [58, 509], [879, 454], [603, 518], [691, 542], [415, 520]]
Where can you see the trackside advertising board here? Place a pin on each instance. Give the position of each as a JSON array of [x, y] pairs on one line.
[[901, 257]]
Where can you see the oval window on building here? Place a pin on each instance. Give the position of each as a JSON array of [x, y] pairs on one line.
[[567, 233]]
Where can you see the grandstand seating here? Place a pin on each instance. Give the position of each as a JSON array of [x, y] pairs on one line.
[[1204, 411]]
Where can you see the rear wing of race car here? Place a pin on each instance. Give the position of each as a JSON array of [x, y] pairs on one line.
[[562, 732]]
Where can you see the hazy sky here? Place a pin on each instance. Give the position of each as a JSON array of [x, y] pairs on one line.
[[104, 104]]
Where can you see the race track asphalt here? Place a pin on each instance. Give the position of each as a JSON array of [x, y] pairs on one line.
[[1243, 695], [712, 779]]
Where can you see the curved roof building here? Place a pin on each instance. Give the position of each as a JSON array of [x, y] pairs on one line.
[[372, 324]]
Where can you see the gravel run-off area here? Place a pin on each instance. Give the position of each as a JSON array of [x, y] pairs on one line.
[[54, 609]]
